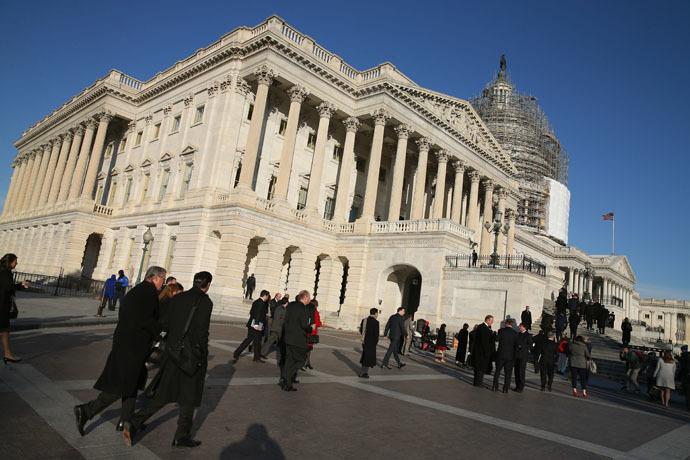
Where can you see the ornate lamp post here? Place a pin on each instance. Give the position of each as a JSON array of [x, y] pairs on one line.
[[496, 228], [589, 275], [148, 237]]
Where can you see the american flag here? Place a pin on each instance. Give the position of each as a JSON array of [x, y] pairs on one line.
[[608, 216]]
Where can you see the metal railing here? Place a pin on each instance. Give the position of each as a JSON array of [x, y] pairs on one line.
[[523, 263], [60, 285]]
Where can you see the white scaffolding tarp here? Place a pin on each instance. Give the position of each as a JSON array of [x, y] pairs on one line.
[[558, 210]]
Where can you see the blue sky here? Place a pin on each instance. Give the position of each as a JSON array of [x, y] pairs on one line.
[[611, 76]]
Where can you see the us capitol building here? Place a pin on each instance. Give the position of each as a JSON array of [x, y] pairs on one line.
[[265, 153]]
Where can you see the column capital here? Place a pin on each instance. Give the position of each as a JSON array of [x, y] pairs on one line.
[[501, 193], [67, 137], [265, 75], [213, 89], [380, 116], [423, 143], [57, 140], [91, 123], [442, 156], [510, 214], [147, 119], [132, 126], [297, 93], [474, 175], [188, 100], [167, 110], [403, 131], [488, 185], [459, 166], [242, 87], [106, 117], [326, 109], [352, 124], [47, 146], [226, 82]]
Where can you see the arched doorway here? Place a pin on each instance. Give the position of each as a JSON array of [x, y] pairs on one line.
[[90, 259], [399, 285]]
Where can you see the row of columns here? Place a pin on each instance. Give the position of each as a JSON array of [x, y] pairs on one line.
[[607, 290], [64, 168], [380, 118]]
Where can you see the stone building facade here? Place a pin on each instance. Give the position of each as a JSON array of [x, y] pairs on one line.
[[265, 153]]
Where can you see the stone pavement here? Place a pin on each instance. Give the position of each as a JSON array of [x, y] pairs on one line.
[[423, 410]]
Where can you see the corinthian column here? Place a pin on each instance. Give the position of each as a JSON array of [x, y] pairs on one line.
[[251, 150], [420, 180], [67, 177], [75, 185], [342, 196], [501, 208], [326, 111], [40, 177], [96, 152], [485, 247], [510, 215], [456, 209], [15, 185], [28, 183], [60, 168], [442, 157], [473, 213], [297, 95], [381, 117], [403, 132], [50, 170]]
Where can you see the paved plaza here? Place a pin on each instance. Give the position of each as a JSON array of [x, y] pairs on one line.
[[424, 410]]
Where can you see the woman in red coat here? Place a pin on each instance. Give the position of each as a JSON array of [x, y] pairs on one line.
[[314, 318]]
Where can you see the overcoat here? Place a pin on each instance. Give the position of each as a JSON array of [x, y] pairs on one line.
[[371, 338], [171, 384], [137, 326], [626, 327], [7, 290], [482, 348], [296, 326]]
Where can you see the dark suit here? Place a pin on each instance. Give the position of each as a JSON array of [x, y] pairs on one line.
[[547, 362], [524, 343], [526, 319], [505, 355], [462, 346], [295, 331], [256, 315], [538, 342], [395, 331], [481, 352]]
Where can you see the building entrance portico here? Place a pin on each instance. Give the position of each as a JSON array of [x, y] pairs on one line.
[[399, 286]]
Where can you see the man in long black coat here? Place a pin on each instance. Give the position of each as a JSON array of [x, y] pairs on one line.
[[482, 350], [395, 331], [255, 327], [524, 344], [125, 370], [526, 318], [295, 331], [370, 337], [462, 337], [537, 347], [171, 384], [505, 355], [547, 361]]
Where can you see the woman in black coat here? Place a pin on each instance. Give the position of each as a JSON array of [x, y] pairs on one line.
[[441, 344], [370, 337], [7, 289], [462, 337]]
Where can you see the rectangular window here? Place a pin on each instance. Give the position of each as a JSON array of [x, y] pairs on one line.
[[129, 253], [199, 114], [360, 164], [646, 316], [382, 175], [337, 153], [283, 126], [659, 317], [156, 131], [237, 175], [171, 253], [113, 251], [111, 196], [250, 112], [311, 141], [137, 141], [99, 194], [123, 144], [128, 191], [176, 124], [302, 198], [144, 187], [271, 188], [328, 210], [109, 150], [165, 178], [186, 180]]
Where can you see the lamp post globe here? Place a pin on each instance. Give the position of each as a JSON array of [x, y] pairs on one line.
[[147, 237]]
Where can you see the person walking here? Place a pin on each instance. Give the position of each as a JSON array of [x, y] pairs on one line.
[[574, 321], [121, 285], [684, 373], [526, 318], [537, 347], [8, 262], [295, 332], [579, 357], [589, 314], [463, 337], [409, 327], [561, 324], [665, 375], [474, 258], [125, 370], [255, 326], [505, 355], [395, 332], [107, 296], [441, 344], [276, 328], [563, 346], [626, 328], [482, 349], [189, 321], [370, 337], [524, 344], [601, 319], [314, 319], [547, 361], [251, 284], [561, 302], [633, 365]]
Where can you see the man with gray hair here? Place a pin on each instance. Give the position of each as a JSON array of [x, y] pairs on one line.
[[125, 369]]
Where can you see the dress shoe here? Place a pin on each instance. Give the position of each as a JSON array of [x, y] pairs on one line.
[[260, 361], [185, 443], [294, 380], [363, 376], [584, 394], [542, 388], [121, 425], [505, 390], [575, 392], [11, 360], [287, 387], [385, 366], [494, 389], [281, 383], [129, 432], [303, 369], [401, 365], [549, 388], [81, 418], [309, 366], [236, 356], [264, 357], [518, 390]]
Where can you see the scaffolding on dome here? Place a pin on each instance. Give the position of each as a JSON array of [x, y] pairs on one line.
[[524, 132]]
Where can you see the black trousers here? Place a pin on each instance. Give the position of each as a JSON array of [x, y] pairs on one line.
[[254, 337], [507, 365], [184, 419], [520, 370], [536, 355], [547, 370], [579, 372], [478, 376], [590, 322], [392, 348], [119, 297], [573, 330], [295, 358], [104, 399]]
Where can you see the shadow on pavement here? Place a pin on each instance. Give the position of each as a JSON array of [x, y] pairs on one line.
[[355, 367], [213, 395], [257, 445]]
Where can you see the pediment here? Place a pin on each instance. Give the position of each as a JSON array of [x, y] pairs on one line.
[[623, 267], [166, 156], [188, 150], [146, 162], [458, 118], [114, 172], [101, 175], [130, 167]]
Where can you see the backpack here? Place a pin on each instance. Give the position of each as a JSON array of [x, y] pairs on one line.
[[563, 346], [640, 356]]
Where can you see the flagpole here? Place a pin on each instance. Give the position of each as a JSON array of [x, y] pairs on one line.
[[613, 235]]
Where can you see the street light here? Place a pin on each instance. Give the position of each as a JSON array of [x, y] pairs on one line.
[[148, 237], [589, 275], [496, 228]]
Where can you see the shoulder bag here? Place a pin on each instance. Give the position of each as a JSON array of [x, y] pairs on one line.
[[592, 366], [181, 352]]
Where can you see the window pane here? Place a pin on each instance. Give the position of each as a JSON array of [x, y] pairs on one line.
[[199, 115], [156, 130]]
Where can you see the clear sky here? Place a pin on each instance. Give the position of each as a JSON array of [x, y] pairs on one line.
[[612, 77]]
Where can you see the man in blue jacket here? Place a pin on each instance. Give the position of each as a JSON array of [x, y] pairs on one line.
[[108, 296]]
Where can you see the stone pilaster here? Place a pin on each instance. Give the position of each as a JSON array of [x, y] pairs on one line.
[[326, 111], [342, 198], [424, 144], [403, 132], [96, 153], [442, 157], [487, 238], [381, 117], [456, 209]]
